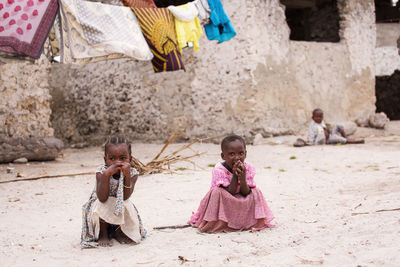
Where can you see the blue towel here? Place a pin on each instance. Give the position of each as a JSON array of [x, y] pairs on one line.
[[220, 28]]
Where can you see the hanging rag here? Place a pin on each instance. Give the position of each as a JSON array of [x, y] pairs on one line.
[[187, 25], [220, 28], [25, 25], [186, 12], [93, 31], [204, 11], [158, 29]]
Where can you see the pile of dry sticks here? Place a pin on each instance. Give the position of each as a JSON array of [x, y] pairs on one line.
[[159, 164]]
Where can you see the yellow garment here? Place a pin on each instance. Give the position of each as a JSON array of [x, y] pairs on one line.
[[188, 31]]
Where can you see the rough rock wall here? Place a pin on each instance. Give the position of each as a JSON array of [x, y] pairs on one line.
[[259, 82], [387, 34], [25, 99], [387, 58]]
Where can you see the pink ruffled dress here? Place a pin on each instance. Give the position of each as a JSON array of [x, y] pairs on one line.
[[220, 211]]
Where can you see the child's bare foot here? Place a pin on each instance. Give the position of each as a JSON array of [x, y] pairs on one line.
[[121, 237], [104, 240]]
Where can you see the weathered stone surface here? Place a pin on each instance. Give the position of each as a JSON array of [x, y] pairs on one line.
[[259, 82], [258, 139], [362, 121], [378, 120], [349, 127], [25, 99], [31, 148], [387, 57]]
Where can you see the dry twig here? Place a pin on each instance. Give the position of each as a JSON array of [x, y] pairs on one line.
[[159, 164], [156, 165], [46, 176], [179, 226], [383, 210]]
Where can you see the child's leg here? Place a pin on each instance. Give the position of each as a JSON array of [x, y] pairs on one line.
[[339, 130], [355, 141], [104, 240], [336, 139]]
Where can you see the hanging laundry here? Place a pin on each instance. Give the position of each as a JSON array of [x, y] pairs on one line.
[[187, 25], [65, 53], [25, 25], [220, 28], [204, 11], [93, 31], [139, 3], [158, 28]]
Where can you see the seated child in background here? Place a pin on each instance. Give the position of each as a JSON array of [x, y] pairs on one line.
[[233, 201], [319, 134], [109, 211]]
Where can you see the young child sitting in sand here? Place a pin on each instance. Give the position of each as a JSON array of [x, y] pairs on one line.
[[319, 134], [109, 211], [233, 202]]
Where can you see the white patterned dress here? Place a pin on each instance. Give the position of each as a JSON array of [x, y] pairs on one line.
[[114, 211]]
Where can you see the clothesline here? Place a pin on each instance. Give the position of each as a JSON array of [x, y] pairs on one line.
[[82, 32]]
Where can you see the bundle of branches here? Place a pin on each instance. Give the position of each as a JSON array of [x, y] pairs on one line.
[[159, 164]]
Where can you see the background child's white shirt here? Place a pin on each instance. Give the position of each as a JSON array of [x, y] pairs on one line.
[[316, 132]]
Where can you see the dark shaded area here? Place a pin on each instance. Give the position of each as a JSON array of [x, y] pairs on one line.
[[387, 90], [165, 3], [31, 148], [386, 12], [313, 20]]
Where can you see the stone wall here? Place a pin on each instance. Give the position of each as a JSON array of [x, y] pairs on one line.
[[387, 58], [259, 82], [25, 99], [25, 132]]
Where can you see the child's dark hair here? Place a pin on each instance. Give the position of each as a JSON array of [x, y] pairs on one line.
[[116, 140], [316, 110], [231, 138]]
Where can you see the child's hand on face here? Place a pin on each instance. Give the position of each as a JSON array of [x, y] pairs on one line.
[[239, 169], [126, 168], [114, 168]]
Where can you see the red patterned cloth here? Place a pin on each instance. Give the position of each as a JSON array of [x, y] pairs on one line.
[[25, 24], [220, 211]]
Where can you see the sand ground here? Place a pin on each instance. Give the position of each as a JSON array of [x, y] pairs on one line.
[[334, 206]]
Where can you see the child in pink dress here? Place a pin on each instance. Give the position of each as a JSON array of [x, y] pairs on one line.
[[233, 201]]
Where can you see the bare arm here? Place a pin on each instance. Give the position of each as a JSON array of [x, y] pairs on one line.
[[103, 185], [129, 182], [129, 186], [233, 185]]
